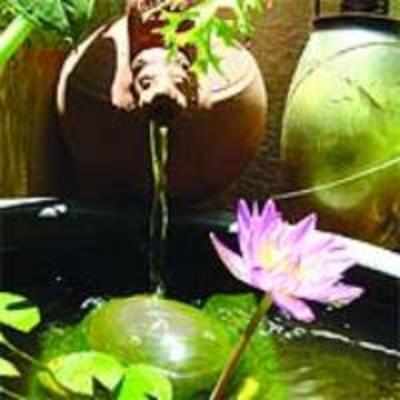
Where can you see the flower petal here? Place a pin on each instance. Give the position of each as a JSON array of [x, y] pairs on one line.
[[318, 269], [339, 294], [231, 260], [244, 230], [255, 213], [261, 279], [295, 307], [272, 281], [269, 211], [297, 233], [243, 216]]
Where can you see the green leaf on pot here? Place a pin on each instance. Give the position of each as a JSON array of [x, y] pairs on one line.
[[17, 312], [8, 369], [66, 17], [207, 27], [143, 382], [76, 372]]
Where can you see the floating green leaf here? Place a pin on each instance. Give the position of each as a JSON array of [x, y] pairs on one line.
[[8, 369], [101, 392], [143, 382], [16, 312], [76, 372]]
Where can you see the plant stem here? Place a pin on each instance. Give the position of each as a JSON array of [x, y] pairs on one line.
[[13, 37], [230, 366], [11, 394], [38, 365]]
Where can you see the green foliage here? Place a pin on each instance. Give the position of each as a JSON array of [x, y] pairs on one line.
[[76, 372], [142, 382], [8, 369], [69, 18], [137, 380], [58, 340], [207, 26], [16, 312], [5, 13]]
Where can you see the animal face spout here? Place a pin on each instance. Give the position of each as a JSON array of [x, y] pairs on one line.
[[161, 85]]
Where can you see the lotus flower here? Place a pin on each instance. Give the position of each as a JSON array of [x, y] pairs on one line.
[[291, 263]]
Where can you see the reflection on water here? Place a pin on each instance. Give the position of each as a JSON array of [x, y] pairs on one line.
[[318, 361], [329, 367]]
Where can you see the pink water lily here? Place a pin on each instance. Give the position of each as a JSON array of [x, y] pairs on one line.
[[291, 263]]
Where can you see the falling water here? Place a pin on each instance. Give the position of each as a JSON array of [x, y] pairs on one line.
[[159, 208]]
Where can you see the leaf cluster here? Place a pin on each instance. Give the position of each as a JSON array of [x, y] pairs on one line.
[[82, 375], [207, 26], [68, 18]]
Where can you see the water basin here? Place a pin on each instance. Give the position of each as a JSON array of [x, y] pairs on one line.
[[66, 262]]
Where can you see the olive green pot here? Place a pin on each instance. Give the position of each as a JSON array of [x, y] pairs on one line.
[[341, 128]]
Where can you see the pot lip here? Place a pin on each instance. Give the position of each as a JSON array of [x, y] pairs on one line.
[[369, 21]]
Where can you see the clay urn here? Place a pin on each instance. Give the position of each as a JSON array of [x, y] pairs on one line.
[[341, 127], [215, 121]]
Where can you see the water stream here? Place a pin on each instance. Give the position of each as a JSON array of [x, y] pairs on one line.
[[159, 209]]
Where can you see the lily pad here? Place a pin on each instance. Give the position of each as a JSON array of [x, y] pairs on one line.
[[16, 312], [144, 381], [8, 369], [76, 372]]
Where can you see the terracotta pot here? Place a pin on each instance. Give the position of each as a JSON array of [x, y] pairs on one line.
[[342, 118], [108, 147]]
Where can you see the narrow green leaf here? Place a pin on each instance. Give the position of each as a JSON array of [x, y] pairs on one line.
[[143, 381], [8, 369], [16, 312], [3, 339], [76, 372]]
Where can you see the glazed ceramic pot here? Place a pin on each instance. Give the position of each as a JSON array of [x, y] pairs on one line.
[[208, 147], [341, 127]]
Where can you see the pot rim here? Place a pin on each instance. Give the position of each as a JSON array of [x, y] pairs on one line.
[[369, 21]]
